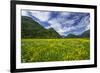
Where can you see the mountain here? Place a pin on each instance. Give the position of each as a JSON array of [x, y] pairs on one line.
[[71, 36], [85, 34], [32, 29]]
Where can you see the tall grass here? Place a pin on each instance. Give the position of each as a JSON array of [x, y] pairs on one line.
[[44, 50]]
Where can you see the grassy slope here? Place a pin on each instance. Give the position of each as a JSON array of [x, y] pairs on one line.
[[42, 50]]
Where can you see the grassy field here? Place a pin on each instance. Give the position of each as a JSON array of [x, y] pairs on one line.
[[44, 50]]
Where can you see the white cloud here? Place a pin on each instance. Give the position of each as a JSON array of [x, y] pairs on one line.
[[69, 22], [62, 19], [43, 16], [87, 27], [64, 14], [83, 23], [24, 13], [48, 27], [60, 23], [57, 25]]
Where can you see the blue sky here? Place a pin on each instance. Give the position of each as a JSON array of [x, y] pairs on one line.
[[63, 23]]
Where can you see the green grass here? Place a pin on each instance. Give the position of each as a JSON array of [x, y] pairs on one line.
[[44, 50]]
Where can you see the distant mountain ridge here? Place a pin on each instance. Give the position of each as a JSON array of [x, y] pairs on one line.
[[83, 35], [32, 29]]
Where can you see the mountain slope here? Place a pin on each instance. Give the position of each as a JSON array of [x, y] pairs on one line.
[[85, 34], [32, 29]]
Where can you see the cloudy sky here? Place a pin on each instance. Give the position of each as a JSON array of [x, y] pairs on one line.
[[63, 23]]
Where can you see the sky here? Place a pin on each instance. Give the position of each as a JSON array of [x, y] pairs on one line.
[[63, 23]]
